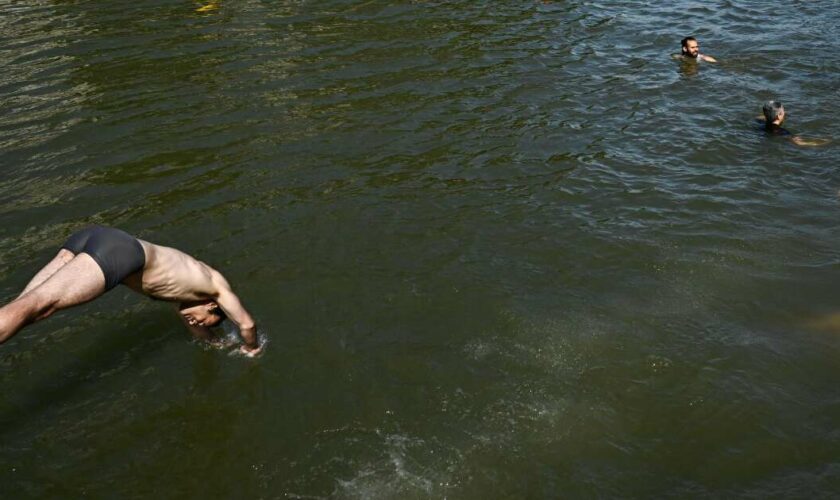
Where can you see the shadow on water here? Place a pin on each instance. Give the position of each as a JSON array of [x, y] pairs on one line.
[[688, 69], [63, 373]]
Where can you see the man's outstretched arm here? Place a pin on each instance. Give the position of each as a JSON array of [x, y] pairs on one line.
[[799, 141], [234, 310]]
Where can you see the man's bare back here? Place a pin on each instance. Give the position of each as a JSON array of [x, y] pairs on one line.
[[172, 275], [96, 259]]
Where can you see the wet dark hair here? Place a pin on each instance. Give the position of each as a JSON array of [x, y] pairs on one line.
[[684, 41], [771, 110]]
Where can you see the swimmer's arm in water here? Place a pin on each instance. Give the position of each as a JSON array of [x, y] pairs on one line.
[[708, 58], [234, 310], [828, 322], [799, 141]]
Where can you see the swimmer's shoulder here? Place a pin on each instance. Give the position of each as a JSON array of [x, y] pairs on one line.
[[773, 129]]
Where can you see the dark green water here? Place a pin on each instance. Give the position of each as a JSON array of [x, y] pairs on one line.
[[499, 249]]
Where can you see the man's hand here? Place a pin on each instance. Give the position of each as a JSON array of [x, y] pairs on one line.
[[251, 346], [251, 352]]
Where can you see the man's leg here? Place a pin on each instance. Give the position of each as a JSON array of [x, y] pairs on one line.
[[77, 282], [63, 257]]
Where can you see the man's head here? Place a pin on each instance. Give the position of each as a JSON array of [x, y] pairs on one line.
[[690, 47], [774, 112], [202, 313]]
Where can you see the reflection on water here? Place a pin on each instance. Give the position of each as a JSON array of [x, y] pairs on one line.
[[689, 69], [499, 250]]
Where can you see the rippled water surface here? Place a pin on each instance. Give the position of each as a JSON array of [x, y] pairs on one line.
[[499, 249]]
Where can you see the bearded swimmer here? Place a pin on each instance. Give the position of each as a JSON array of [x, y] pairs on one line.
[[96, 259], [690, 50]]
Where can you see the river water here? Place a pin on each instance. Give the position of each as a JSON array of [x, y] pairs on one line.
[[498, 249]]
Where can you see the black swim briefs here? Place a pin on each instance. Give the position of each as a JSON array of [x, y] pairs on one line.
[[117, 253]]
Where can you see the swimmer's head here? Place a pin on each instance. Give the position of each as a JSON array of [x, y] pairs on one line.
[[202, 313], [774, 112], [690, 47]]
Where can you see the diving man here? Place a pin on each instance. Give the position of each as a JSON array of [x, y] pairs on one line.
[[96, 259]]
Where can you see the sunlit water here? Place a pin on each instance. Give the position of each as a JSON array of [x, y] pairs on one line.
[[500, 249]]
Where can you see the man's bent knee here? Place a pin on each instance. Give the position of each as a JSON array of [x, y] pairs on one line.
[[33, 307]]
